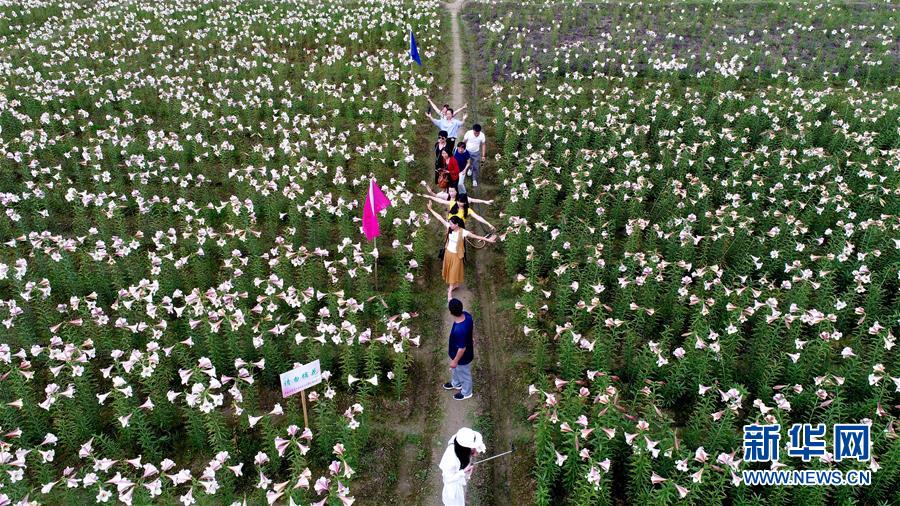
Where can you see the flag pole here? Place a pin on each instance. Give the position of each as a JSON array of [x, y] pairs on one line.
[[375, 243]]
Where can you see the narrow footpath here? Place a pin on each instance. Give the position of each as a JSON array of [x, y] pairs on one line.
[[488, 410], [454, 414]]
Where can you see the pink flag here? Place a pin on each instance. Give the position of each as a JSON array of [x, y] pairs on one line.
[[375, 202]]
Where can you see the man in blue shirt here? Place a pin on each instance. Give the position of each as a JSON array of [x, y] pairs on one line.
[[460, 351], [462, 159]]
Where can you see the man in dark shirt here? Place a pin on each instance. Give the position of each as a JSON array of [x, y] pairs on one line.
[[460, 351], [462, 160]]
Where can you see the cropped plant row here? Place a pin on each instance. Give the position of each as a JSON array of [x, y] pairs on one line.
[[694, 257], [181, 187], [828, 42]]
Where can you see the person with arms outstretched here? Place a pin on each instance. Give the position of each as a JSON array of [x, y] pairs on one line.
[[450, 194], [445, 107], [448, 124], [459, 206], [453, 271]]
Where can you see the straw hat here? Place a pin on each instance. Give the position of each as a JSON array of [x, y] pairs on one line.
[[469, 438]]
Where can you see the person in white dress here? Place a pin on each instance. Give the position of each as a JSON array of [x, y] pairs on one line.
[[456, 465]]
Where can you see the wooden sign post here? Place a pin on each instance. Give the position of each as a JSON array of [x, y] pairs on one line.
[[303, 403], [298, 380]]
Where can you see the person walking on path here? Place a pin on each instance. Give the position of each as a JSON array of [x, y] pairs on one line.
[[463, 160], [448, 124], [440, 147], [444, 109], [476, 145], [453, 270], [456, 465], [461, 352]]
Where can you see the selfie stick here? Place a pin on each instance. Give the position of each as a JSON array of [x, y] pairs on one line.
[[512, 449]]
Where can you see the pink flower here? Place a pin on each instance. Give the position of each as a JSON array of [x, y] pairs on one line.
[[560, 458], [272, 496], [281, 445], [321, 485], [700, 455], [697, 477], [551, 399], [605, 465], [593, 477], [188, 498]]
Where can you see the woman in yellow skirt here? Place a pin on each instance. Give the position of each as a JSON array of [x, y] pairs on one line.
[[454, 250]]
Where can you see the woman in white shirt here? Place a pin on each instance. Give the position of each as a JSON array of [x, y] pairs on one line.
[[456, 465], [453, 270]]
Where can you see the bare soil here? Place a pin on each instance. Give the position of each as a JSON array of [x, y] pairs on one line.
[[408, 446], [455, 414], [499, 371]]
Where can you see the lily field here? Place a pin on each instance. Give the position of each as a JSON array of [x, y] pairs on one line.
[[697, 211]]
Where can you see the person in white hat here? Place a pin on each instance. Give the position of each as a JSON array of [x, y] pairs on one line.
[[456, 466]]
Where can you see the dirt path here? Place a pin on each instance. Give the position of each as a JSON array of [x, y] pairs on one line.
[[491, 410], [455, 414], [499, 371], [456, 86]]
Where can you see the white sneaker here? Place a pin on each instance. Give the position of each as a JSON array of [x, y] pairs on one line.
[[474, 183]]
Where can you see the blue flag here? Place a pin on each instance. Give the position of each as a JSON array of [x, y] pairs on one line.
[[413, 50]]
